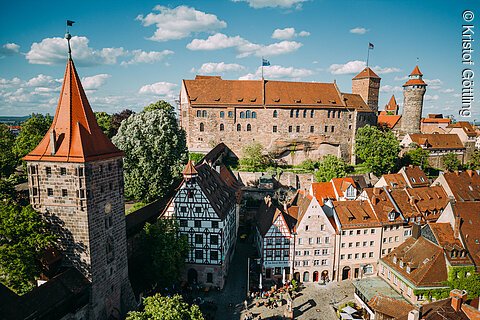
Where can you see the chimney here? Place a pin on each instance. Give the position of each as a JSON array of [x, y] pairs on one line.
[[416, 231], [458, 297], [53, 139], [456, 227], [414, 315]]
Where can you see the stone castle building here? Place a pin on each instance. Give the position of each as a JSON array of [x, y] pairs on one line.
[[75, 178], [413, 91], [292, 120]]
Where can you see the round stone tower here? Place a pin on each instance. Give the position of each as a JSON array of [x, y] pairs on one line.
[[413, 92]]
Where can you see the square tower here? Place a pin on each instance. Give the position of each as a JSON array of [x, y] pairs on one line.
[[75, 178], [367, 85]]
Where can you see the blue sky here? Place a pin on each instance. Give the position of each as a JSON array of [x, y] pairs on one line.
[[131, 53]]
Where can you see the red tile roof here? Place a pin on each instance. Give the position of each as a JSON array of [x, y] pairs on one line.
[[189, 169], [392, 104], [394, 308], [323, 191], [444, 235], [437, 141], [466, 126], [382, 205], [341, 184], [354, 101], [465, 185], [366, 73], [415, 176], [469, 213], [78, 138], [430, 201], [436, 120], [387, 120], [416, 72], [355, 214], [394, 180], [415, 82]]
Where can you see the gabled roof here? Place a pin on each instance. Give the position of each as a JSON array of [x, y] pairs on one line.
[[299, 204], [414, 176], [341, 184], [465, 185], [355, 214], [466, 126], [444, 236], [392, 307], [323, 191], [382, 205], [366, 73], [394, 180], [430, 201], [426, 260], [389, 121], [392, 104], [77, 136], [355, 101], [404, 203], [469, 213], [437, 141], [442, 310]]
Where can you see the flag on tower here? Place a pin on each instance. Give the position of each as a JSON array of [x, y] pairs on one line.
[[70, 23], [370, 45], [265, 63]]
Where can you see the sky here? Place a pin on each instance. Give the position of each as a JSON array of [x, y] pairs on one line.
[[132, 53]]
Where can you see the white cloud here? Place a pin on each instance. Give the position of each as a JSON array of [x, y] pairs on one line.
[[41, 81], [430, 97], [54, 51], [288, 33], [434, 84], [359, 30], [278, 72], [390, 89], [139, 56], [9, 49], [95, 82], [162, 88], [397, 78], [220, 67], [356, 66], [179, 22], [273, 3], [216, 41], [449, 90]]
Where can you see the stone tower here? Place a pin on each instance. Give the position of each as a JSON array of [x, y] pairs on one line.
[[413, 92], [367, 85], [75, 178]]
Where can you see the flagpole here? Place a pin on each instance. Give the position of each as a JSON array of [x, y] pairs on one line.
[[368, 53], [262, 67]]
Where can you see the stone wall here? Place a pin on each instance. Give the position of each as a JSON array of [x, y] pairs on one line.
[[295, 180], [368, 89], [412, 108]]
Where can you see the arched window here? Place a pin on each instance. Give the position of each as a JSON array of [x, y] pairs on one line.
[[275, 114], [305, 113], [291, 113], [249, 115], [204, 113], [339, 113], [249, 127], [242, 115], [222, 114], [239, 127], [199, 113], [297, 113], [254, 115], [222, 127], [202, 127], [306, 276], [312, 112]]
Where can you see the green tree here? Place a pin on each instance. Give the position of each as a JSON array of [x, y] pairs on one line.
[[474, 162], [165, 251], [7, 190], [8, 159], [253, 157], [417, 157], [378, 149], [23, 238], [195, 157], [450, 162], [104, 121], [32, 132], [158, 307], [155, 153], [159, 105], [331, 167], [117, 119]]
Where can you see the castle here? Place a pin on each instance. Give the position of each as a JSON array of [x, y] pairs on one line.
[[75, 178], [293, 121]]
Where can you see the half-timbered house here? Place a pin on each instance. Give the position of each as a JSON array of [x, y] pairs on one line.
[[205, 207]]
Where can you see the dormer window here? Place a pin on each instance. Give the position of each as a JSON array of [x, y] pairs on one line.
[[401, 264], [395, 259], [413, 179], [409, 269]]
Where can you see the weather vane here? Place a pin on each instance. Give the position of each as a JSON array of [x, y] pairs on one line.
[[68, 37]]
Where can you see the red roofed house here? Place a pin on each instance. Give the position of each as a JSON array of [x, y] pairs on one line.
[[75, 175], [460, 185], [467, 134], [435, 123]]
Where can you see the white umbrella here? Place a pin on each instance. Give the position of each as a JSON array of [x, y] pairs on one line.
[[349, 310], [346, 316]]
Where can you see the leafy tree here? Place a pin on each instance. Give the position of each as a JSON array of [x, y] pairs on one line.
[[159, 105], [7, 190], [155, 153], [104, 121], [378, 149], [450, 162], [23, 238], [474, 162], [417, 157], [331, 167], [117, 119], [8, 159], [165, 251], [309, 165], [195, 157], [253, 157], [158, 307], [32, 132]]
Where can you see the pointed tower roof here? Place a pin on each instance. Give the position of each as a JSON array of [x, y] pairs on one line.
[[366, 73], [416, 72], [392, 104], [415, 78], [74, 135], [189, 169]]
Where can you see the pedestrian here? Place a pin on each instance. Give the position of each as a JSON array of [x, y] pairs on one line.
[[246, 304]]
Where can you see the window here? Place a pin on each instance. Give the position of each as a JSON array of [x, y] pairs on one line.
[[298, 128], [198, 209], [242, 115], [344, 233], [350, 232], [371, 243], [291, 113], [214, 239], [198, 223], [214, 255], [297, 113], [290, 128], [306, 229], [230, 114], [199, 113], [327, 240], [269, 253], [310, 240], [372, 231], [48, 170], [33, 170], [324, 252], [198, 238], [364, 244], [370, 254], [358, 232], [269, 241], [64, 193], [305, 113], [80, 172], [306, 253], [343, 245], [357, 244], [328, 114], [342, 257], [357, 255], [239, 127], [63, 171], [286, 241], [300, 241], [190, 193], [254, 115], [364, 255], [274, 129], [286, 253], [322, 227], [349, 256], [312, 129], [305, 264], [324, 262], [333, 128], [50, 192], [199, 254], [249, 127], [35, 191], [222, 127], [319, 240], [210, 277], [316, 252], [222, 114], [339, 113], [316, 262], [350, 244], [204, 113], [275, 114], [312, 112], [202, 127], [326, 128], [248, 114], [214, 224], [183, 223]]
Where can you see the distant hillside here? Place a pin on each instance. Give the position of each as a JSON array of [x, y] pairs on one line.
[[13, 120]]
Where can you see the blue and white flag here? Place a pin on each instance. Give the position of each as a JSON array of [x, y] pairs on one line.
[[265, 63], [370, 45]]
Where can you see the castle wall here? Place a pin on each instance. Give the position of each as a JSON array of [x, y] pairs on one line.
[[412, 108], [368, 89]]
